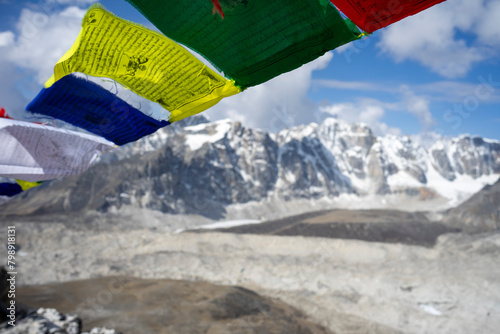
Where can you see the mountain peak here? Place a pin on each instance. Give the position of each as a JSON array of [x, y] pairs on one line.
[[201, 167]]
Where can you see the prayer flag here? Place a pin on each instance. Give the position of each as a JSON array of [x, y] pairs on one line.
[[371, 15], [10, 189], [258, 39], [34, 152], [87, 105], [148, 63]]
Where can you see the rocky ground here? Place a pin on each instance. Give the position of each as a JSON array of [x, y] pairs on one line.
[[49, 320], [363, 271], [412, 228], [346, 285], [479, 213], [133, 305]]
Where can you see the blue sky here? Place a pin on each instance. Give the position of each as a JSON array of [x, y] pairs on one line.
[[436, 71]]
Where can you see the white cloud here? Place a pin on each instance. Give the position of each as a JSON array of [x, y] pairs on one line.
[[431, 37], [42, 39], [364, 111], [418, 106], [449, 91], [6, 38], [488, 27], [71, 2], [354, 85], [10, 98], [372, 111], [276, 104], [442, 91], [28, 53]]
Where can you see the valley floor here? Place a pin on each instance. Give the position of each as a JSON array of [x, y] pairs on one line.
[[346, 285], [162, 306]]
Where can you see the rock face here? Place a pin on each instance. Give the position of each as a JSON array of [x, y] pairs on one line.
[[480, 213], [136, 305], [200, 167], [465, 155], [49, 320]]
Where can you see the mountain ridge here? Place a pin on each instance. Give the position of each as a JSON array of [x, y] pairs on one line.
[[480, 213], [201, 167]]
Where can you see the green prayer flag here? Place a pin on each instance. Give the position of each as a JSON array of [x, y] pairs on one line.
[[258, 39]]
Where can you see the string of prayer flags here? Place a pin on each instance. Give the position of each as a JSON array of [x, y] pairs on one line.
[[34, 152], [146, 62], [10, 189], [258, 39], [371, 15], [89, 106]]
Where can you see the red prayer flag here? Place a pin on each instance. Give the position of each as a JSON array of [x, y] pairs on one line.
[[371, 15], [3, 114], [217, 8]]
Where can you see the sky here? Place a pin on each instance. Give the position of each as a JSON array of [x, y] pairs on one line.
[[437, 71]]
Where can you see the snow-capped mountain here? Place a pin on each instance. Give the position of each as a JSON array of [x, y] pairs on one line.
[[454, 168], [201, 166]]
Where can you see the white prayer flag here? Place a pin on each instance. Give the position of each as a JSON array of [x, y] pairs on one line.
[[34, 152]]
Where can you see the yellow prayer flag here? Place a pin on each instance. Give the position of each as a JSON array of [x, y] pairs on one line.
[[148, 63], [25, 185]]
